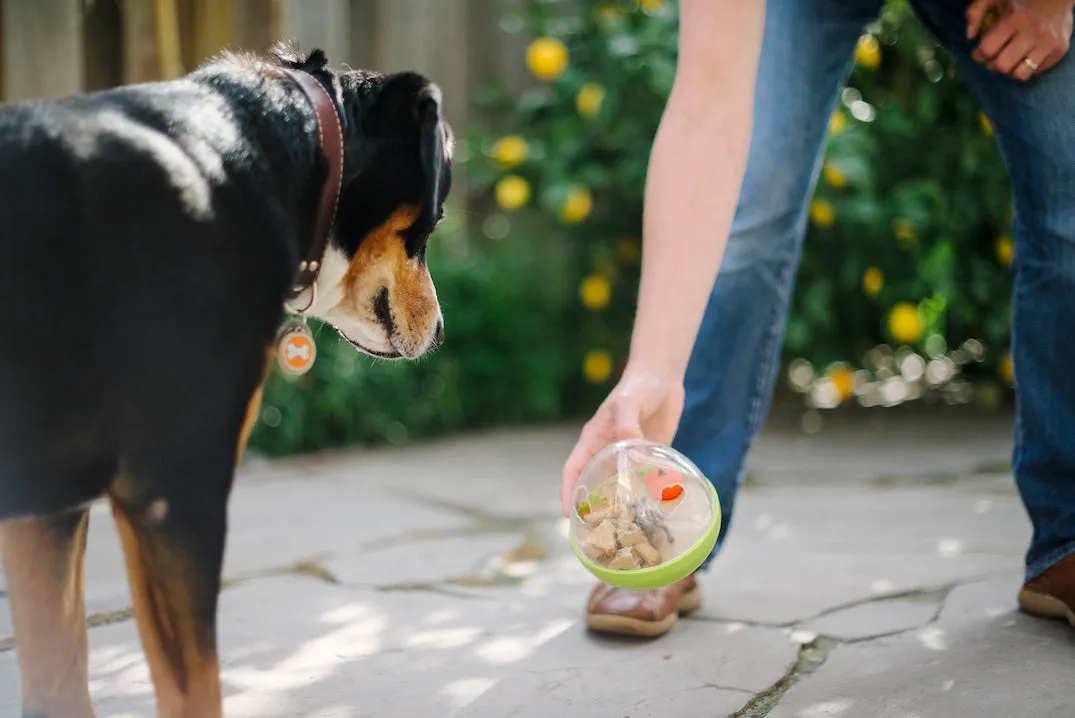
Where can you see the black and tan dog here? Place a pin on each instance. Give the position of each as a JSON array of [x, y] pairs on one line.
[[151, 237]]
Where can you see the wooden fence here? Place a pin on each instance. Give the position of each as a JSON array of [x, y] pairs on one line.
[[52, 48]]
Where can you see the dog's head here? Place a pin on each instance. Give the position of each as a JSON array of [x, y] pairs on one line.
[[374, 286]]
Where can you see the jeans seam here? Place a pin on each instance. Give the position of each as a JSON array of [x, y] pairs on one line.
[[769, 353], [1042, 565]]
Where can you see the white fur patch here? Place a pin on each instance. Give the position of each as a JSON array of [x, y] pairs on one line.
[[366, 332], [189, 179]]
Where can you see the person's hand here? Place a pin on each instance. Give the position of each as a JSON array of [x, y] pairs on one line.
[[643, 405], [1020, 38]]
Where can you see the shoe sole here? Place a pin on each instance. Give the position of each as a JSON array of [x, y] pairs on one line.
[[638, 627], [1043, 606]]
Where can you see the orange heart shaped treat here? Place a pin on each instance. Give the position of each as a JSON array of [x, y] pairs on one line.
[[665, 484]]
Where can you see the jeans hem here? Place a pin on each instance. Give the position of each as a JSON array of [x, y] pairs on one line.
[[1042, 565]]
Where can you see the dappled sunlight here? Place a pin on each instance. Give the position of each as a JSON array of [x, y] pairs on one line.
[[292, 645], [882, 586], [441, 616], [949, 547], [933, 638], [462, 693], [828, 709], [119, 670], [444, 639], [357, 634], [501, 651]]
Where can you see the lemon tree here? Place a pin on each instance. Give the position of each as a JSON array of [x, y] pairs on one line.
[[907, 249]]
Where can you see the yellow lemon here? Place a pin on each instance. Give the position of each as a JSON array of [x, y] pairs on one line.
[[872, 281], [905, 233], [868, 52], [833, 175], [595, 292], [1004, 250], [837, 122], [822, 213], [651, 6], [844, 380], [1006, 369], [597, 366], [984, 124], [904, 323], [512, 192], [510, 151], [608, 12], [627, 251], [547, 58], [576, 206], [588, 100]]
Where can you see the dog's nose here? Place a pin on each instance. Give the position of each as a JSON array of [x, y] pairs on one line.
[[438, 335]]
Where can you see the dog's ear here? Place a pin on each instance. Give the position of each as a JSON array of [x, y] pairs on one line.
[[430, 123], [289, 55], [410, 106]]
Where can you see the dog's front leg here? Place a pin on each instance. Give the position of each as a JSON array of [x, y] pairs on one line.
[[174, 547], [43, 559]]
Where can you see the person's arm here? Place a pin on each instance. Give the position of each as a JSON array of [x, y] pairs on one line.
[[695, 171]]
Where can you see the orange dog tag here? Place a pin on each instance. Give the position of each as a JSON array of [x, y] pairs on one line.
[[296, 349]]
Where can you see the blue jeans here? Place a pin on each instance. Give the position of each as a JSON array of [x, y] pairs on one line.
[[806, 55]]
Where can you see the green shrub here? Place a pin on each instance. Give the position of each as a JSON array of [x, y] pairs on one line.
[[905, 265], [501, 362], [906, 251]]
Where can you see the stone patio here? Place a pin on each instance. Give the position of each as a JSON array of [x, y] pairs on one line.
[[871, 571]]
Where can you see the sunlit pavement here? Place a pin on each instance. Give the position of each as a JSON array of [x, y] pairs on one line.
[[871, 571]]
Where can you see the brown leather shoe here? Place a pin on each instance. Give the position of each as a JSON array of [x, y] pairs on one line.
[[640, 613], [1052, 594]]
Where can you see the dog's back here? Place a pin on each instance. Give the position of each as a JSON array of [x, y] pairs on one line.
[[130, 271]]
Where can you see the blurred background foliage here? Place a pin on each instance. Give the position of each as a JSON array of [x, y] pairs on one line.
[[902, 295]]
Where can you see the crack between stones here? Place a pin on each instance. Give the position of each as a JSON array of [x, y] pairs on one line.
[[812, 655], [810, 658], [938, 592], [315, 569]]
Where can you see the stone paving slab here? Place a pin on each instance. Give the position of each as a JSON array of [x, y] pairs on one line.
[[699, 670], [980, 659], [877, 618], [794, 553], [437, 581]]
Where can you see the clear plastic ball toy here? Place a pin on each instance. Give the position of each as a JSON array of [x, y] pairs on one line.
[[643, 515]]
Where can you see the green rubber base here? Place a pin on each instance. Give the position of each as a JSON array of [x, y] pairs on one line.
[[643, 579]]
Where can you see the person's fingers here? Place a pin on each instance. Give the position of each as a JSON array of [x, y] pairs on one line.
[[576, 461], [1039, 57], [976, 15], [1011, 57], [995, 40]]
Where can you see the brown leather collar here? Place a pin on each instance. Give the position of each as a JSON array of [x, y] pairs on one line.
[[330, 144]]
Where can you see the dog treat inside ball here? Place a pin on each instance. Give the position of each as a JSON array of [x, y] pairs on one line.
[[641, 505]]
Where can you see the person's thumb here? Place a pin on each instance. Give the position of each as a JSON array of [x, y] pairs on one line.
[[978, 14]]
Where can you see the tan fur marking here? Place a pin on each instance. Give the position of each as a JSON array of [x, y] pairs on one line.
[[45, 585], [253, 408], [185, 675], [381, 261]]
